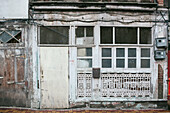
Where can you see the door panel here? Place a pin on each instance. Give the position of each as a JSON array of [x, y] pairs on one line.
[[54, 77]]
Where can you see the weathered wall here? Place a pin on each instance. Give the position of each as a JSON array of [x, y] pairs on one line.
[[33, 65], [14, 84], [111, 18], [20, 64]]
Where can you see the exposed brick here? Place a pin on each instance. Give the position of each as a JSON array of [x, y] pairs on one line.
[[160, 82]]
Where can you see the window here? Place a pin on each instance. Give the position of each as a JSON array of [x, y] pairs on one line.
[[106, 34], [84, 57], [125, 57], [145, 36], [54, 35], [118, 51], [126, 35], [106, 57], [131, 57], [10, 36], [84, 35], [145, 57], [120, 57]]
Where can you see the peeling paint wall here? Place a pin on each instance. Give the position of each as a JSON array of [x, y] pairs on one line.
[[110, 18], [21, 78], [14, 85]]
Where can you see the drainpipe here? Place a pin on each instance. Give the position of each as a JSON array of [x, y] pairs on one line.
[[168, 75]]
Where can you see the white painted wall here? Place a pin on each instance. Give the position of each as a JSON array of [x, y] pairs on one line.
[[10, 9]]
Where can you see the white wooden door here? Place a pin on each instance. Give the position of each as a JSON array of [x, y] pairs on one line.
[[54, 77]]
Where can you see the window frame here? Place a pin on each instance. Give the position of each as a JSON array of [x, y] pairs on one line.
[[138, 47], [126, 68], [145, 57], [107, 58], [138, 36], [22, 41], [86, 69], [54, 45], [85, 36]]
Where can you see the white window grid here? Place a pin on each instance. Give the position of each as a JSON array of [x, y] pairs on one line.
[[107, 58], [147, 58], [84, 57], [113, 58], [85, 36]]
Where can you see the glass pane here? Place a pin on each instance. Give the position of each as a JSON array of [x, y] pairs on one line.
[[106, 52], [145, 35], [120, 63], [54, 35], [106, 35], [17, 39], [120, 52], [81, 52], [126, 35], [84, 63], [145, 63], [14, 33], [5, 37], [85, 40], [80, 32], [145, 52], [89, 31], [131, 63], [106, 63], [131, 52]]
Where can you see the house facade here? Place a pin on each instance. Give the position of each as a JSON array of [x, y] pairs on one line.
[[86, 53]]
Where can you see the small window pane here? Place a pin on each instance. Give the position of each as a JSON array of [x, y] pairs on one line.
[[126, 35], [145, 35], [106, 52], [80, 32], [54, 35], [84, 63], [106, 35], [145, 52], [84, 39], [145, 63], [81, 52], [89, 31], [106, 63], [14, 33], [120, 52], [120, 63], [131, 52], [5, 37], [131, 63]]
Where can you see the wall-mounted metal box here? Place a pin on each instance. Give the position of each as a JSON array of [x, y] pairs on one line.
[[160, 55], [96, 72], [161, 42]]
